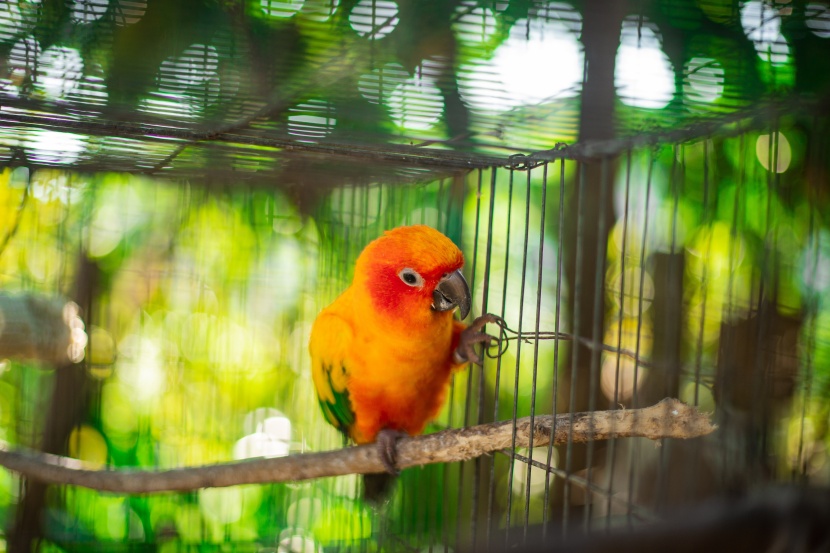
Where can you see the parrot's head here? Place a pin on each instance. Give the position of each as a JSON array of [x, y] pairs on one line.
[[415, 270]]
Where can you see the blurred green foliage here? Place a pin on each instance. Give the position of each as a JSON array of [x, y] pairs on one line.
[[198, 331], [197, 341]]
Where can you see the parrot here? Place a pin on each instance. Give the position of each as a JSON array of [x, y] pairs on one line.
[[383, 353]]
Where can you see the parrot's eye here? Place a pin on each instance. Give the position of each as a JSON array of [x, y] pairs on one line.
[[411, 277]]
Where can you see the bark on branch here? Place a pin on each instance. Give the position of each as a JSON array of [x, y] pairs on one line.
[[669, 418]]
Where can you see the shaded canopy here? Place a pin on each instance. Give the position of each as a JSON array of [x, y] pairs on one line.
[[324, 92]]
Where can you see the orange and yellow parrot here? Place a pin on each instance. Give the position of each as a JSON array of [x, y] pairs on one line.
[[383, 353]]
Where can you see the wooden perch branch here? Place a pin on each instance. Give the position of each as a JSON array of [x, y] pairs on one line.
[[670, 418]]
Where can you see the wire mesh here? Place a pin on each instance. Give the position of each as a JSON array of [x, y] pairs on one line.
[[255, 162], [269, 91], [707, 285]]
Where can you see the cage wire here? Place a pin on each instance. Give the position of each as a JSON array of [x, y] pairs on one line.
[[707, 286], [200, 216]]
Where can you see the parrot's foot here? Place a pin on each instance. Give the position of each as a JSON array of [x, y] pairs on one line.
[[387, 442], [471, 336]]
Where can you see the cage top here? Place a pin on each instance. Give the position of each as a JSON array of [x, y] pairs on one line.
[[324, 92]]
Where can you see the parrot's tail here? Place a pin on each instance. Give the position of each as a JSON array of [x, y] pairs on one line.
[[377, 488]]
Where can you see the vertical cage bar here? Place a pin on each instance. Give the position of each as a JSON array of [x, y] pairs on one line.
[[575, 293], [558, 311]]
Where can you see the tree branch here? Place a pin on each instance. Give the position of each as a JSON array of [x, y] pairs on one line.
[[669, 418]]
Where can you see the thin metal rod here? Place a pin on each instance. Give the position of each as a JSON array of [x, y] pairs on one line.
[[576, 293], [558, 311], [599, 304], [484, 309], [539, 272], [611, 457], [497, 383], [517, 374], [470, 374], [634, 448]]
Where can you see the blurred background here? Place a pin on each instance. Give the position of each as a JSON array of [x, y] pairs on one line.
[[184, 185]]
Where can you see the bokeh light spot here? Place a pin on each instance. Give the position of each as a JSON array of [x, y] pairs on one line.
[[271, 437], [22, 57], [187, 83], [87, 11], [715, 253], [416, 103], [698, 395], [379, 84], [52, 147], [765, 148], [633, 336], [298, 543], [281, 9], [817, 19], [815, 263], [340, 524], [513, 77], [374, 18], [704, 78], [223, 505], [644, 76], [538, 476], [118, 417], [194, 66], [140, 366], [320, 10], [228, 505], [303, 512], [474, 24], [130, 11], [105, 231], [88, 445], [631, 279], [11, 20], [189, 524], [102, 352], [259, 444], [78, 339], [618, 380], [311, 120], [762, 25]]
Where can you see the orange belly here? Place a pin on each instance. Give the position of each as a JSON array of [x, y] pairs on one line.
[[406, 403]]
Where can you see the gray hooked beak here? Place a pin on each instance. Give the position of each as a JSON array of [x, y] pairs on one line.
[[452, 291]]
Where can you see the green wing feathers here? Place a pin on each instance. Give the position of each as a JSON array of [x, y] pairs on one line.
[[337, 407], [330, 338]]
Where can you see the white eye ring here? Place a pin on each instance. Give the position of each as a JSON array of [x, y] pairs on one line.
[[410, 277]]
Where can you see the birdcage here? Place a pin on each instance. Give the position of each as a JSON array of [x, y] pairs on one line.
[[186, 185]]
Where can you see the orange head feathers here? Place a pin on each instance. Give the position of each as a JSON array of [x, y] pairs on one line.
[[413, 269]]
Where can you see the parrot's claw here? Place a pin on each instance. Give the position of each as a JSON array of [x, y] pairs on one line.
[[387, 442], [471, 336]]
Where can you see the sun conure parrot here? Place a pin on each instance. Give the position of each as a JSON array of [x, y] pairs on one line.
[[383, 353]]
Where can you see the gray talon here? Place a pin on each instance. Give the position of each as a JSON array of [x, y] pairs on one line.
[[387, 442], [472, 335]]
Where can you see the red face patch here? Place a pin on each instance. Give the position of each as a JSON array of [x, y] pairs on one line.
[[391, 294], [422, 249]]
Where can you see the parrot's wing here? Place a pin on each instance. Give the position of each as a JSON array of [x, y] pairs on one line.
[[331, 337]]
